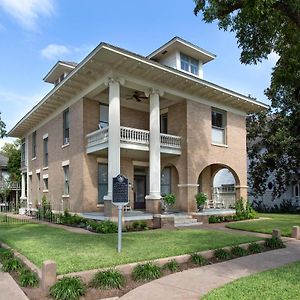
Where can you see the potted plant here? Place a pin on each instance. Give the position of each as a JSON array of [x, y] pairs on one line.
[[201, 198], [169, 201]]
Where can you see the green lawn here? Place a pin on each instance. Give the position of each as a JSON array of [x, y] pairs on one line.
[[284, 222], [76, 252], [277, 284]]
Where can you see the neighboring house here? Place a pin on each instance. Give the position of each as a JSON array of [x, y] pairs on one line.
[[153, 119], [3, 169]]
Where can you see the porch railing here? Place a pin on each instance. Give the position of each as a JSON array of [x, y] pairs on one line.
[[133, 136]]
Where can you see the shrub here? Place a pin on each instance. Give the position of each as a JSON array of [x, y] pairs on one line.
[[5, 254], [44, 210], [171, 265], [109, 279], [222, 254], [68, 288], [12, 264], [255, 248], [274, 243], [214, 219], [200, 198], [145, 272], [244, 209], [28, 278], [238, 251], [198, 259], [139, 225], [107, 227], [170, 199]]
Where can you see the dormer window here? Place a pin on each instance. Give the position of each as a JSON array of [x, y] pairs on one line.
[[189, 64]]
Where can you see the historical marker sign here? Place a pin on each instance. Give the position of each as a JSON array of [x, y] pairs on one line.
[[120, 190]]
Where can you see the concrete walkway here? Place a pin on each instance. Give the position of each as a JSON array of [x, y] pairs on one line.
[[9, 289], [194, 283]]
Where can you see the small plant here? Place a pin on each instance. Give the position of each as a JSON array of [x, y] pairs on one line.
[[238, 251], [68, 288], [222, 254], [201, 198], [109, 279], [255, 248], [172, 266], [274, 243], [146, 272], [170, 199], [198, 259], [139, 225], [28, 278], [107, 227], [5, 254], [12, 264]]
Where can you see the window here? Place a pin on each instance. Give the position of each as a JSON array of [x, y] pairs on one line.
[[189, 64], [66, 126], [103, 122], [34, 144], [46, 152], [45, 184], [23, 147], [102, 182], [218, 122], [166, 181], [66, 180], [164, 123]]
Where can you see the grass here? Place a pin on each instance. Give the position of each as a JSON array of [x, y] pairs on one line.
[[277, 284], [77, 252], [284, 222]]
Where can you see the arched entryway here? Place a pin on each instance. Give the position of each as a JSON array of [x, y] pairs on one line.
[[219, 182]]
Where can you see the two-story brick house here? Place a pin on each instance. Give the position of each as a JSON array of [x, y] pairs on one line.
[[153, 119]]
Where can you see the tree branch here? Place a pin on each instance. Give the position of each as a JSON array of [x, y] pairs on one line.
[[288, 11]]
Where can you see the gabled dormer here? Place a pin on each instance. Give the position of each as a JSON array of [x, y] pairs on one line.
[[60, 70], [182, 55]]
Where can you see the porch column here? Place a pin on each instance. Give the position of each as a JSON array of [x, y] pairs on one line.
[[23, 187], [153, 200]]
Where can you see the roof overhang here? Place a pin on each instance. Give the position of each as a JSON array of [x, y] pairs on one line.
[[183, 46], [106, 58], [59, 68]]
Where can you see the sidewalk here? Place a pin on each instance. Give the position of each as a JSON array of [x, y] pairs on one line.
[[194, 283], [9, 289]]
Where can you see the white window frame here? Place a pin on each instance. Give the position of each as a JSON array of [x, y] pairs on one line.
[[66, 179], [189, 63], [216, 129]]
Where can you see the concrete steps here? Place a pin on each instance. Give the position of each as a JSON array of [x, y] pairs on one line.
[[185, 221]]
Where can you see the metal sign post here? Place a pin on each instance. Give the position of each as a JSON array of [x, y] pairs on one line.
[[120, 198]]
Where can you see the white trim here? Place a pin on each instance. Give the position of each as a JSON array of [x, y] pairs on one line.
[[102, 160], [38, 171], [164, 111], [219, 145], [188, 185], [45, 176], [65, 145], [34, 158], [45, 191], [138, 163], [241, 186], [65, 196], [45, 168], [65, 163], [29, 173], [45, 136]]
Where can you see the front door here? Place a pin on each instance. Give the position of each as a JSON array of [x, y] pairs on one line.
[[139, 191]]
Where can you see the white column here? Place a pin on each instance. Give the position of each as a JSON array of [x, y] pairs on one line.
[[154, 154], [113, 133], [23, 185]]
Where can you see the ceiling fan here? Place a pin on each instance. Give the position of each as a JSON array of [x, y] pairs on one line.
[[137, 96]]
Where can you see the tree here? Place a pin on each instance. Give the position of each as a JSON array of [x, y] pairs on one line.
[[13, 152], [2, 128], [262, 27]]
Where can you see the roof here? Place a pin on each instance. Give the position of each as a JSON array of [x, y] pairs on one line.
[[59, 68], [3, 160], [106, 57], [184, 46]]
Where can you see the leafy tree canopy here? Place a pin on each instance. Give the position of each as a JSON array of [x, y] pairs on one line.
[[2, 128], [262, 27], [13, 152]]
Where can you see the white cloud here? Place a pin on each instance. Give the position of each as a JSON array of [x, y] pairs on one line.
[[27, 12], [54, 51]]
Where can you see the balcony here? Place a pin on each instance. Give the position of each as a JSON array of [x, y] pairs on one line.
[[133, 138]]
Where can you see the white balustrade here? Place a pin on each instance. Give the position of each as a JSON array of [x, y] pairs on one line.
[[133, 136]]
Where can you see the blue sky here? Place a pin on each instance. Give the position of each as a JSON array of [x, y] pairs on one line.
[[34, 34]]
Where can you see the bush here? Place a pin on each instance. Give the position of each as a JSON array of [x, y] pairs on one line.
[[170, 199], [238, 251], [255, 248], [107, 227], [44, 211], [274, 243], [139, 225], [12, 264], [200, 198], [146, 272], [109, 279], [222, 254], [172, 266], [5, 254], [198, 259], [244, 209], [28, 279], [68, 288]]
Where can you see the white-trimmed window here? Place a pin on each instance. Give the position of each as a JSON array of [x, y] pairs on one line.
[[66, 180], [46, 184], [34, 144], [66, 126], [165, 183], [218, 124], [103, 121], [23, 152], [189, 64], [46, 154], [102, 182], [164, 123]]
